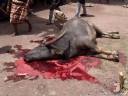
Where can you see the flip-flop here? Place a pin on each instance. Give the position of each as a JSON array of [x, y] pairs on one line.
[[90, 5], [125, 6]]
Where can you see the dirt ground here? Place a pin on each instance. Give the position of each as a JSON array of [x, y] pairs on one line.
[[107, 17]]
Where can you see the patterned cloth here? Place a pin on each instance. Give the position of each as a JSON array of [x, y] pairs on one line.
[[18, 12]]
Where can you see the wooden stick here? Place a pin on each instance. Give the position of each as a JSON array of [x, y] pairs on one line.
[[121, 78], [3, 11]]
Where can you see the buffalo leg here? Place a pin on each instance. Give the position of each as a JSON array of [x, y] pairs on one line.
[[104, 34], [86, 43]]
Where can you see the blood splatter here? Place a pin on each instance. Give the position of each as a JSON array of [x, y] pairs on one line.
[[74, 68], [9, 66], [15, 78]]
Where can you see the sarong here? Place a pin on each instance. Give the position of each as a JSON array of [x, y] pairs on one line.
[[18, 12]]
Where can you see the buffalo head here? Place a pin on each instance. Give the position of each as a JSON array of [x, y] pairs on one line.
[[39, 53]]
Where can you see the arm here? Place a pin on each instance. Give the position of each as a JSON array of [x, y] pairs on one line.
[[27, 4], [8, 5]]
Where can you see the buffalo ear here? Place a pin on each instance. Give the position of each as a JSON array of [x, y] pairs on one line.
[[71, 50], [67, 51]]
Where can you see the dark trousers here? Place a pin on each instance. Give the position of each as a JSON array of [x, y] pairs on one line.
[[54, 5]]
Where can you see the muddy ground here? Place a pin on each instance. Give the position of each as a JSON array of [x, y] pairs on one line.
[[107, 17]]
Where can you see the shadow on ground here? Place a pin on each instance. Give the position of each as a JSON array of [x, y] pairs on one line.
[[38, 26], [4, 49]]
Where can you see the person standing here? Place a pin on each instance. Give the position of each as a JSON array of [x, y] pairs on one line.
[[79, 4], [18, 14], [54, 5]]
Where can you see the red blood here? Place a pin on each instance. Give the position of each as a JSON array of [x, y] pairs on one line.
[[19, 52], [15, 78], [64, 69], [18, 47], [9, 66], [76, 68]]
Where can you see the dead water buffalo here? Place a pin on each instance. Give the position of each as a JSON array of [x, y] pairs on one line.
[[77, 37]]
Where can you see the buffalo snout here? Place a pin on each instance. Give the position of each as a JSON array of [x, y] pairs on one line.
[[41, 52]]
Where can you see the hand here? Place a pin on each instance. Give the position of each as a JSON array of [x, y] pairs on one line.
[[28, 3], [8, 9]]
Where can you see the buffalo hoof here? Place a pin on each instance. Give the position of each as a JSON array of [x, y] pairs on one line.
[[115, 37], [114, 32], [116, 57]]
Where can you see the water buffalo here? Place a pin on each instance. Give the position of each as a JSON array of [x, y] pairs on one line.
[[77, 37]]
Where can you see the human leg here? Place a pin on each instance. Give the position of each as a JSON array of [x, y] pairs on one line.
[[15, 29], [50, 17], [84, 10], [78, 9], [100, 33]]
